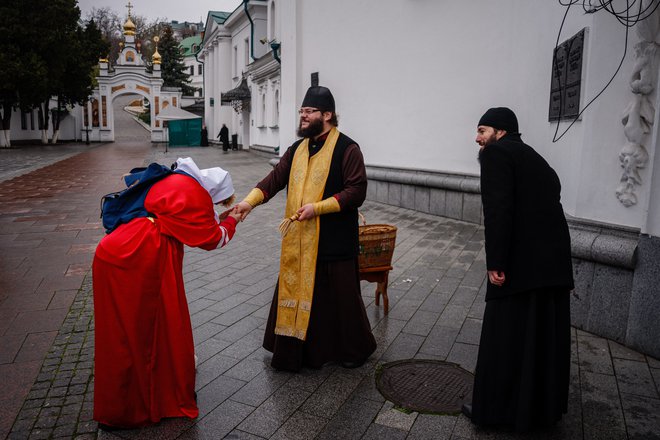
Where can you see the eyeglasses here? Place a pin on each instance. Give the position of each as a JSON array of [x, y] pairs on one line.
[[307, 111]]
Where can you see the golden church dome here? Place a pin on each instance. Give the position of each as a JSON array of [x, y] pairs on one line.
[[156, 57], [129, 27]]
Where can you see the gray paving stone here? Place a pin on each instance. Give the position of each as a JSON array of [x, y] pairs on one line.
[[653, 363], [470, 332], [464, 355], [601, 408], [378, 432], [351, 421], [209, 348], [240, 329], [432, 427], [453, 316], [405, 346], [241, 435], [206, 331], [622, 352], [634, 377], [212, 368], [464, 296], [272, 414], [594, 354], [247, 369], [216, 392], [260, 388], [404, 309], [391, 417], [331, 394], [421, 323], [300, 426], [367, 390], [642, 417], [439, 341], [435, 302], [310, 380], [447, 285], [219, 422]]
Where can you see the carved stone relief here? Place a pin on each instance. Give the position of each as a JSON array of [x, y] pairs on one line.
[[639, 114]]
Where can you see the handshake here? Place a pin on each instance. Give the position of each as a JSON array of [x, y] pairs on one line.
[[239, 212]]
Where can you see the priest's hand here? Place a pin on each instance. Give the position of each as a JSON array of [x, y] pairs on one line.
[[242, 210], [306, 212]]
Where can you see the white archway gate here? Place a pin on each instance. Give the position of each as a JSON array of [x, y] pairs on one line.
[[129, 75]]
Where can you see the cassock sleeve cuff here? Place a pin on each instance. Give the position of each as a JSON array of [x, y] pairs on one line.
[[255, 197], [327, 206]]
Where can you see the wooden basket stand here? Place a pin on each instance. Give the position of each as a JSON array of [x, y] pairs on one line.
[[377, 243]]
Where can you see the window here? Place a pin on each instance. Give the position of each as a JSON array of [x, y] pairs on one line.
[[273, 22], [199, 69], [262, 116], [247, 51], [275, 114], [235, 61], [192, 70], [23, 120]]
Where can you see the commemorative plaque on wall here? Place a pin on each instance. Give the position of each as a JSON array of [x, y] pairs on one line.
[[567, 78]]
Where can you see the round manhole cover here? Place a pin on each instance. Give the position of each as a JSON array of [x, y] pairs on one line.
[[425, 386]]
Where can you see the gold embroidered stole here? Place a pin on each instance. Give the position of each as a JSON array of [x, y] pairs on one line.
[[300, 245]]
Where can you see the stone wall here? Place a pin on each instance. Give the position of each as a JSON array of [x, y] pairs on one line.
[[616, 269]]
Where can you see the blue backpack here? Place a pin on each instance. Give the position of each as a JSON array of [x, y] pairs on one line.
[[123, 206]]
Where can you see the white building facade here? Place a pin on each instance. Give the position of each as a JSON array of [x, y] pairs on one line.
[[411, 80], [236, 53], [190, 47]]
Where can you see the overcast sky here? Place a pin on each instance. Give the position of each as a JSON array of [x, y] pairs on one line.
[[180, 10]]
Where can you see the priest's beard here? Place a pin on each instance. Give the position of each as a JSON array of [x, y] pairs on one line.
[[314, 129]]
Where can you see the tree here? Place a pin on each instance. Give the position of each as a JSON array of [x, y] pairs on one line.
[[110, 26], [77, 81], [173, 69], [23, 70]]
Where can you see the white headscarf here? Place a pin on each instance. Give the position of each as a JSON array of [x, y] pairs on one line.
[[215, 180]]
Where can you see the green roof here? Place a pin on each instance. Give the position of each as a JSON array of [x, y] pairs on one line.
[[191, 45], [219, 16]]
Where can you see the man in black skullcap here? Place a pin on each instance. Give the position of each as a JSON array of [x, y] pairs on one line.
[[522, 373], [317, 314]]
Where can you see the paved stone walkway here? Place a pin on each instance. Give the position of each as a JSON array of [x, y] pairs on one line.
[[436, 304]]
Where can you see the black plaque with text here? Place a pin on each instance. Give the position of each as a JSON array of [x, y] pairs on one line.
[[566, 78]]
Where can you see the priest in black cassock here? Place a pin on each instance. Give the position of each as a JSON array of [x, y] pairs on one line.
[[522, 373], [317, 314]]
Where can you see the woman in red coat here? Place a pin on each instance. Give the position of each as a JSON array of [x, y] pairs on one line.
[[144, 352]]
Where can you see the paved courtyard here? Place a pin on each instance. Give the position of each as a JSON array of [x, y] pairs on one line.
[[49, 226]]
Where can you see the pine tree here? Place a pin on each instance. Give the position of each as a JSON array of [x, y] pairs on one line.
[[173, 69]]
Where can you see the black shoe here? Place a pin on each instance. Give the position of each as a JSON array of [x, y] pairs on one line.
[[108, 428], [466, 409], [352, 364]]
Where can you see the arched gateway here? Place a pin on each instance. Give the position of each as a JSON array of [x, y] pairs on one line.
[[129, 76]]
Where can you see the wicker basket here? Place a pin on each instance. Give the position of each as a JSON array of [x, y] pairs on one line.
[[376, 245]]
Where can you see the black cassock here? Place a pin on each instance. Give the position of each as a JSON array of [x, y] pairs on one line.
[[523, 366]]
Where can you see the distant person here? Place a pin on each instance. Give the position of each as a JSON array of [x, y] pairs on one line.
[[224, 137], [522, 373], [144, 367], [204, 141], [317, 314]]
